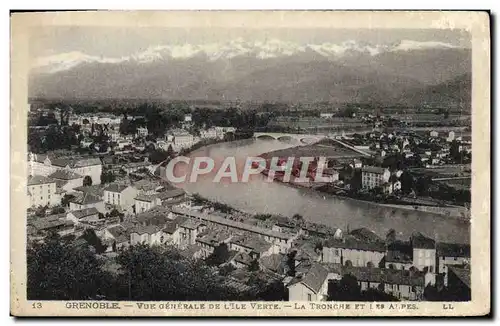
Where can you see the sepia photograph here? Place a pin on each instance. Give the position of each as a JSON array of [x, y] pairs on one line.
[[164, 164]]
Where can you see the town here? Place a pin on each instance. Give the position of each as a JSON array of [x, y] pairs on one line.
[[100, 207]]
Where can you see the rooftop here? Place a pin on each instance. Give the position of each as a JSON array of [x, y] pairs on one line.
[[39, 180], [85, 212], [350, 242], [230, 223], [452, 250], [64, 174], [116, 187], [374, 169], [86, 198]]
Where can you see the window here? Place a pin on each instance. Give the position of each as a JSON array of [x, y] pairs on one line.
[[309, 297]]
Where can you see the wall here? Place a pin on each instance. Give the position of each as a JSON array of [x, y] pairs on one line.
[[300, 292]]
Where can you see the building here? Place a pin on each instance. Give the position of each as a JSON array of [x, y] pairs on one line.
[[351, 251], [149, 235], [120, 195], [45, 165], [118, 235], [86, 215], [181, 139], [373, 177], [87, 200], [211, 240], [210, 133], [434, 134], [41, 227], [254, 246], [188, 118], [331, 174], [42, 191], [67, 179], [451, 254], [189, 231], [313, 284], [424, 252], [142, 132], [282, 240], [326, 115]]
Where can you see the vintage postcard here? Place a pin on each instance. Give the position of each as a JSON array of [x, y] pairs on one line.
[[261, 163]]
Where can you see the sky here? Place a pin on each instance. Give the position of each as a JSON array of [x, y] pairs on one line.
[[117, 41]]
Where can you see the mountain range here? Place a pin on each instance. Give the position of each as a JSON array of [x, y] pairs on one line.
[[405, 72]]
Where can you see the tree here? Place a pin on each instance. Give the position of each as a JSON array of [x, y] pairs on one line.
[[58, 272], [290, 263], [219, 256], [66, 199], [254, 266], [150, 273], [87, 181], [347, 289]]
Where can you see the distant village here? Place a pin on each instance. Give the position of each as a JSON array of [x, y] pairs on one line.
[[112, 188]]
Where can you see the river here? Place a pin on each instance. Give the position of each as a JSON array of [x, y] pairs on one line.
[[261, 196]]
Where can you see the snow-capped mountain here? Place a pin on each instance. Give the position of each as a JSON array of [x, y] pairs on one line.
[[272, 48], [271, 70]]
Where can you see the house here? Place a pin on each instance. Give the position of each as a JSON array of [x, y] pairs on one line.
[[158, 215], [434, 134], [242, 260], [181, 139], [149, 235], [172, 230], [189, 231], [320, 230], [331, 174], [373, 177], [86, 215], [449, 254], [424, 252], [119, 236], [171, 197], [351, 251], [132, 167], [120, 195], [313, 284], [67, 180], [326, 115], [211, 240], [40, 227], [310, 286], [144, 203], [254, 246], [210, 133], [399, 255], [356, 164], [42, 191], [47, 164], [142, 132], [87, 200], [274, 263], [402, 284], [282, 240]]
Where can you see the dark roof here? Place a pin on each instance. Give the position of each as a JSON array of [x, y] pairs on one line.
[[399, 252], [39, 180], [190, 251], [254, 243], [463, 274], [170, 194], [86, 198], [350, 242], [172, 226], [142, 229], [315, 277], [452, 250], [157, 215], [94, 189], [146, 198], [85, 212], [420, 241], [273, 262], [120, 233], [64, 174], [385, 275], [364, 234], [191, 224], [373, 169], [115, 187], [214, 237], [243, 258], [49, 222]]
